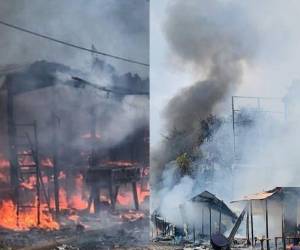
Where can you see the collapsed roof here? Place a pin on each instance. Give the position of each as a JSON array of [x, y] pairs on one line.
[[42, 74], [213, 202]]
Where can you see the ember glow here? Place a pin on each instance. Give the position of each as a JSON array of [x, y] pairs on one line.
[[26, 158], [132, 215], [30, 183], [3, 178], [47, 162], [4, 163]]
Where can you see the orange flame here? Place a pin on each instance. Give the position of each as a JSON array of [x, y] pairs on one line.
[[76, 200], [3, 178], [125, 199], [27, 219], [4, 163]]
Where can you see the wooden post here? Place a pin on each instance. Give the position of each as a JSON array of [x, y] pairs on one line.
[[209, 221], [247, 226], [94, 198], [36, 158], [116, 193], [93, 160], [11, 131], [111, 195], [97, 201], [251, 221], [220, 220], [54, 154], [202, 221], [267, 225], [194, 233], [135, 196], [55, 168]]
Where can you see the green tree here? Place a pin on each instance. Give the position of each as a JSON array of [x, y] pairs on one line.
[[184, 163]]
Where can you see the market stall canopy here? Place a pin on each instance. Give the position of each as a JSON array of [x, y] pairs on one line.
[[273, 193]]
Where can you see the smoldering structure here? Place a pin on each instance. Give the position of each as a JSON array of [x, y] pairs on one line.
[[72, 148], [249, 149], [213, 215]]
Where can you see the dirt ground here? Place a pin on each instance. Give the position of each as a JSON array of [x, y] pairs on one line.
[[117, 235]]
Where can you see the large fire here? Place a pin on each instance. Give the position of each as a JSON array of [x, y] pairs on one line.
[[126, 199], [26, 220], [75, 200]]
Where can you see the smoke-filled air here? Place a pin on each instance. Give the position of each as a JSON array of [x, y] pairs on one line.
[[218, 136]]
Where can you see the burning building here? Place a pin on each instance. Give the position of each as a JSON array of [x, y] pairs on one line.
[[70, 147]]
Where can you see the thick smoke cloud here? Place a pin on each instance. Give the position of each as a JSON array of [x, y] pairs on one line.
[[120, 28], [215, 39], [268, 142], [115, 27]]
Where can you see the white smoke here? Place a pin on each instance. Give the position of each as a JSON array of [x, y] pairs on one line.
[[269, 150]]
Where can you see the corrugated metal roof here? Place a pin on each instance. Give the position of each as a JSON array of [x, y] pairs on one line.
[[261, 195]]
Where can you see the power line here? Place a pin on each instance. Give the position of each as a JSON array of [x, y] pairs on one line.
[[73, 45]]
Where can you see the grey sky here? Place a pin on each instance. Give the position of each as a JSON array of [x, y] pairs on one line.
[[116, 27]]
